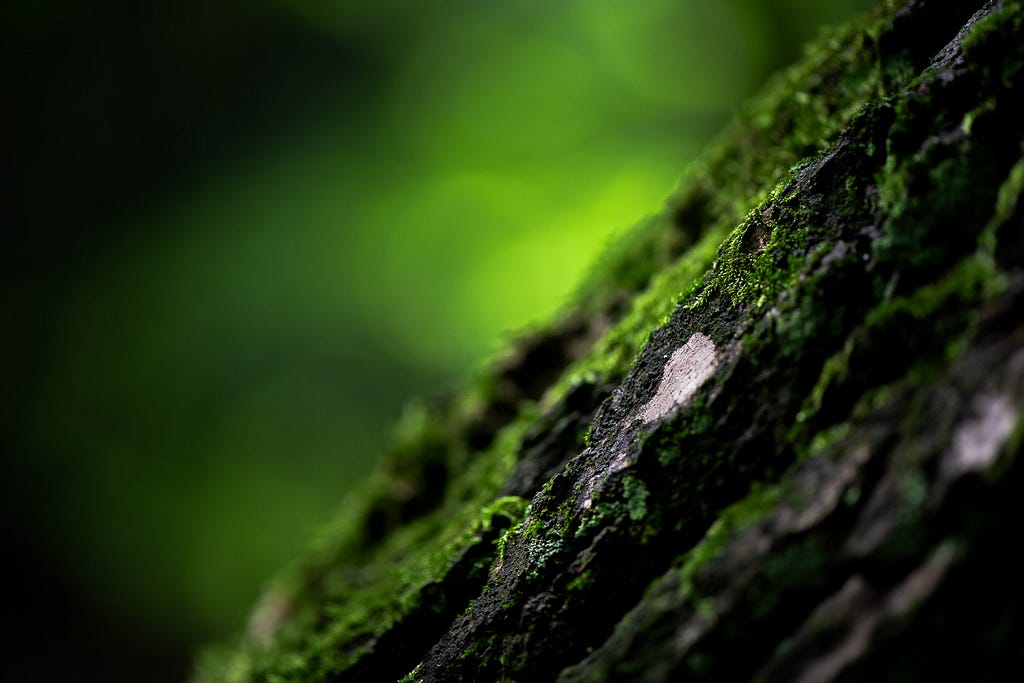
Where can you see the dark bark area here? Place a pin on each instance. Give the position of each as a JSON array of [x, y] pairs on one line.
[[807, 471]]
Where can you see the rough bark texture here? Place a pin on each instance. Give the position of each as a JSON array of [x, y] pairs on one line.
[[776, 439]]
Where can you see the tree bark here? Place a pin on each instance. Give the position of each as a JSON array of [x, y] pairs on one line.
[[776, 438]]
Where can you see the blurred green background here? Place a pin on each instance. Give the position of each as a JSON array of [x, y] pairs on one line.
[[241, 235]]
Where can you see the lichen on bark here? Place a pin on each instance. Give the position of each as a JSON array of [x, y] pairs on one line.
[[825, 480]]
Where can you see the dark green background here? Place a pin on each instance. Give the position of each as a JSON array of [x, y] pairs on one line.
[[241, 234]]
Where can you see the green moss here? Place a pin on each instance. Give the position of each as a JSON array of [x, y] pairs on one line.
[[729, 524], [615, 351], [926, 328], [799, 113], [514, 509], [834, 372], [942, 179], [584, 440], [540, 549], [971, 280], [582, 581], [1007, 21], [599, 514], [636, 498], [668, 445], [411, 676], [628, 261], [357, 600], [477, 648], [1015, 441], [800, 566], [1009, 194], [510, 508], [932, 324], [607, 507], [986, 107]]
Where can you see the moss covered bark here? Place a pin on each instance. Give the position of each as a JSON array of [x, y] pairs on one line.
[[777, 437]]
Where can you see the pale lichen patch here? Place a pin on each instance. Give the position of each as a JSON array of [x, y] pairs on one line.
[[621, 462], [689, 367], [977, 443]]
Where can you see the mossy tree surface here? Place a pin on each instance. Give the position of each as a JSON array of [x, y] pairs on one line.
[[777, 438]]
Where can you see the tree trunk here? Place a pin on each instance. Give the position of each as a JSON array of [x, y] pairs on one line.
[[776, 438]]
